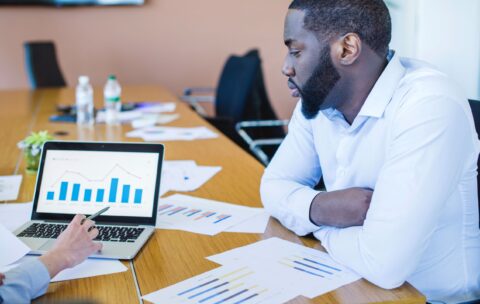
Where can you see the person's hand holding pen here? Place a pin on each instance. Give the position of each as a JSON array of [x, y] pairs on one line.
[[73, 245]]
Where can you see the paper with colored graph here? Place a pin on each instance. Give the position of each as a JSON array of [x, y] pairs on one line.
[[270, 271], [226, 284], [188, 213], [316, 270]]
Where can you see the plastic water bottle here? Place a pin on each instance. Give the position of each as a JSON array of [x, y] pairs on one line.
[[84, 102], [113, 104]]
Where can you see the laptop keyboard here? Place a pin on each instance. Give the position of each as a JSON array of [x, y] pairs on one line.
[[106, 233]]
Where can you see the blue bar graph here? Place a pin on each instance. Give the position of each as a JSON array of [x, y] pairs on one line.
[[197, 287], [222, 289], [232, 296], [113, 190], [321, 264], [75, 192], [63, 191], [87, 196], [138, 196], [50, 195], [125, 193], [100, 194], [90, 193]]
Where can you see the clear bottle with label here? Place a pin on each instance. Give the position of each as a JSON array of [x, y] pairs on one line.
[[112, 97], [84, 102]]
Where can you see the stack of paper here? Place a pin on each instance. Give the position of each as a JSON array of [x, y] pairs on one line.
[[150, 120], [9, 186], [155, 107], [172, 133], [146, 109], [185, 175], [188, 213], [269, 271]]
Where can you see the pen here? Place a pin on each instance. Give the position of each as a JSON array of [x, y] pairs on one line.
[[91, 217]]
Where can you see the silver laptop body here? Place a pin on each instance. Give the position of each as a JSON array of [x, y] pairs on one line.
[[84, 177]]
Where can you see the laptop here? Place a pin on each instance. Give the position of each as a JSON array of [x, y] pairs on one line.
[[85, 177]]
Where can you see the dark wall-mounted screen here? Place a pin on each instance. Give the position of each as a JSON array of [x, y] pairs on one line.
[[72, 2]]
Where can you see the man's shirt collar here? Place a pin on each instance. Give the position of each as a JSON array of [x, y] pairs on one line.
[[381, 93], [384, 89]]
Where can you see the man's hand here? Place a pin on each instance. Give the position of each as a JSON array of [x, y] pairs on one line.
[[342, 208], [73, 246]]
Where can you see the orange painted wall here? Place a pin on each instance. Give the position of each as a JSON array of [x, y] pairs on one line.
[[177, 43]]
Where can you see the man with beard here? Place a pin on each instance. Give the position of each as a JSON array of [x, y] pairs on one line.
[[395, 143]]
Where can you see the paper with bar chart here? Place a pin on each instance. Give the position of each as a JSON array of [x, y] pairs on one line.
[[199, 215], [316, 271], [226, 284], [85, 181]]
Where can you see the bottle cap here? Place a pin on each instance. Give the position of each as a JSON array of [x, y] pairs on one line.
[[112, 77], [83, 80]]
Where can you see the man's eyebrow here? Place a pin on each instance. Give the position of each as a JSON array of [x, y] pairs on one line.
[[288, 41]]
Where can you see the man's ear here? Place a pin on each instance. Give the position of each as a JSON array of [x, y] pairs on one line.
[[347, 49]]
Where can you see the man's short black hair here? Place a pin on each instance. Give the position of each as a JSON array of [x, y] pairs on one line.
[[369, 19]]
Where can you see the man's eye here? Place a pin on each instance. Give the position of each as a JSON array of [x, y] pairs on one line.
[[295, 53]]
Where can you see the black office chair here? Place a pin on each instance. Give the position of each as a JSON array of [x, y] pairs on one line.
[[263, 133], [42, 66], [240, 96], [475, 106]]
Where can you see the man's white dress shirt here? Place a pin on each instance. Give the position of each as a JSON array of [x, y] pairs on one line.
[[414, 143]]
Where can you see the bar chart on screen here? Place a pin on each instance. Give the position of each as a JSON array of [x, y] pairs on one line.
[[84, 181], [73, 186]]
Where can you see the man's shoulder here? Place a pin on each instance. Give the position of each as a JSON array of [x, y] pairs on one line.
[[423, 82]]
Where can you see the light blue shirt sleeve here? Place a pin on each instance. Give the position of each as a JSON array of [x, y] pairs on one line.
[[25, 282], [287, 184]]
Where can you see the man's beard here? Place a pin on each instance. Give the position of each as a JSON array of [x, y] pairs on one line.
[[318, 86]]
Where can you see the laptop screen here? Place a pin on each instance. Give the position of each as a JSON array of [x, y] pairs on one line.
[[84, 182]]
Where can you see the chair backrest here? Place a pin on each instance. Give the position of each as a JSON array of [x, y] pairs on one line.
[[475, 106], [260, 103], [241, 92], [42, 65], [241, 95], [235, 86]]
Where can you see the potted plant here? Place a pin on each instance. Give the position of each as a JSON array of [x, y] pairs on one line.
[[32, 147]]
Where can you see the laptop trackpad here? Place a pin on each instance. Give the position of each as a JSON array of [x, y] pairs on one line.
[[47, 246], [33, 243]]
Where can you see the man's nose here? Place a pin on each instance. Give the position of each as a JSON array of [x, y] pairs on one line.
[[287, 69]]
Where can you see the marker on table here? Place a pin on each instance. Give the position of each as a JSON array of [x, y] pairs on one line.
[[91, 217]]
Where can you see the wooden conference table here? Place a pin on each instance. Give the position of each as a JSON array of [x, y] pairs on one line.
[[169, 256]]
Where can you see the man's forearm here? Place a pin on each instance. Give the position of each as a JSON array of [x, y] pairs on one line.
[[343, 208]]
